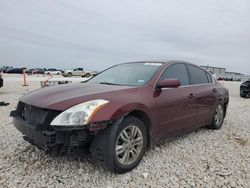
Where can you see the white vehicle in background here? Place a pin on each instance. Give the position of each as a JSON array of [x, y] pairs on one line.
[[79, 72], [53, 72]]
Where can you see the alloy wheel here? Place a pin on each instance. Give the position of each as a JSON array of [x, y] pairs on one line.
[[219, 114], [129, 145]]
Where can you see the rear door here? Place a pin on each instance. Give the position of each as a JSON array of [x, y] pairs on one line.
[[175, 109], [204, 94]]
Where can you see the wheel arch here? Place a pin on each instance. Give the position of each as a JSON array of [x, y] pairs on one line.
[[117, 115], [222, 100], [225, 101], [145, 119]]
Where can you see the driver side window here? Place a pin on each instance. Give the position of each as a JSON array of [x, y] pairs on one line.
[[176, 71]]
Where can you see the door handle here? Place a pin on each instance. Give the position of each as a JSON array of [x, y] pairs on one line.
[[191, 96], [214, 90]]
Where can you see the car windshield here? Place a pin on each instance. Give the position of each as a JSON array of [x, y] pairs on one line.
[[131, 74]]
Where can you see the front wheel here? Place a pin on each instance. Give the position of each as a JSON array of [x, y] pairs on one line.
[[122, 146], [218, 116]]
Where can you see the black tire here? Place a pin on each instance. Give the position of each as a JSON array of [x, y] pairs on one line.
[[69, 74], [243, 96], [218, 116], [104, 147], [88, 75]]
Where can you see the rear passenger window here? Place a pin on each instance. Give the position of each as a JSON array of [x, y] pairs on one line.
[[198, 76], [176, 71]]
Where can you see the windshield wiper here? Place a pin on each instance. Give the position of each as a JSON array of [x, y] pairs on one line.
[[107, 83]]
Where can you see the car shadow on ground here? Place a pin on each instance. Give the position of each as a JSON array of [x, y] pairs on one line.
[[181, 137]]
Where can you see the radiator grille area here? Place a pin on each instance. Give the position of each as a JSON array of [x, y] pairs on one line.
[[38, 117]]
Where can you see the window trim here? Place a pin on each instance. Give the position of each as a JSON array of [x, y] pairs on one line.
[[209, 75], [189, 79], [190, 85], [190, 75]]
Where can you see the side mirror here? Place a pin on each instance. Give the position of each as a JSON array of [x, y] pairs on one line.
[[168, 83]]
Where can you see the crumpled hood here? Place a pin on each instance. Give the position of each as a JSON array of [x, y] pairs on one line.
[[65, 96]]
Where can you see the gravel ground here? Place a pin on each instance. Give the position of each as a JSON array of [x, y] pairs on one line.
[[203, 158]]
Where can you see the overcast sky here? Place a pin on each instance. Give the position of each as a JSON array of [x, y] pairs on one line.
[[96, 34]]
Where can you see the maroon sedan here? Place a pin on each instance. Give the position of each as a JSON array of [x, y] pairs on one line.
[[120, 112]]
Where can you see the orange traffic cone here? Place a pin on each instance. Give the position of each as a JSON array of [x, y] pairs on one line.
[[25, 83]]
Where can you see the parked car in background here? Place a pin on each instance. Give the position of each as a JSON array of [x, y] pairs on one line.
[[1, 81], [74, 72], [5, 69], [36, 71], [30, 71], [94, 73], [40, 71], [120, 112], [16, 71], [220, 79], [88, 74], [53, 72], [77, 72], [245, 89]]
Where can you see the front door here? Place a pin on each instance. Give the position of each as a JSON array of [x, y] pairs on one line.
[[175, 106]]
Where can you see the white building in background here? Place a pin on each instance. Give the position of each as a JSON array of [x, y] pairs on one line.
[[234, 74], [215, 70], [221, 73]]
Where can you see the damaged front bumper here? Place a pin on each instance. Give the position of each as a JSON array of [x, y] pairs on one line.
[[73, 141]]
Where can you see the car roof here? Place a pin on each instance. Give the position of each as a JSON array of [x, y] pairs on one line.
[[162, 62], [166, 62]]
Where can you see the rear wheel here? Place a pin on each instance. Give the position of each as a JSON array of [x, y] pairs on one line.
[[88, 75], [120, 148], [69, 74], [218, 116]]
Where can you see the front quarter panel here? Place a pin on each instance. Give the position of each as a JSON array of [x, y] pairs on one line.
[[123, 104], [118, 109]]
